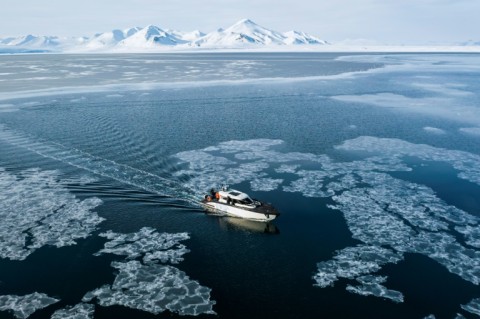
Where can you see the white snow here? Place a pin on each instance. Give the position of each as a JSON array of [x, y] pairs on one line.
[[107, 39], [148, 37], [299, 37], [187, 36], [243, 34], [32, 41], [246, 33]]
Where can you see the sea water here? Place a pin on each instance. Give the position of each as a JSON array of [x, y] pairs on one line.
[[373, 161]]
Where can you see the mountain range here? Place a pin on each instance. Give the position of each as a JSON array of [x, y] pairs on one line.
[[243, 34]]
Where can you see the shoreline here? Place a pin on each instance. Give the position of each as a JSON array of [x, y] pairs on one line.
[[304, 49]]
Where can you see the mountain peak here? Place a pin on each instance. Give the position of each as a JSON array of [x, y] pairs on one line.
[[245, 21], [244, 24], [245, 33]]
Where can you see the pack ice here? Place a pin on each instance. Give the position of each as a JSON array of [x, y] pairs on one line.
[[144, 282], [389, 216], [37, 209]]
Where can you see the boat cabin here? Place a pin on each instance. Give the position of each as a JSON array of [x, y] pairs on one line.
[[236, 198]]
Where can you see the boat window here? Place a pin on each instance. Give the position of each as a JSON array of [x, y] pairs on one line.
[[247, 201], [235, 193]]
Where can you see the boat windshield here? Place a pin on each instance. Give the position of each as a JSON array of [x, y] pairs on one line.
[[246, 201], [233, 193]]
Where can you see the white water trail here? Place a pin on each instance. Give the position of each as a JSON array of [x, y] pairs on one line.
[[100, 166]]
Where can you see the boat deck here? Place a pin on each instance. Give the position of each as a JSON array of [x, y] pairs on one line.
[[265, 208]]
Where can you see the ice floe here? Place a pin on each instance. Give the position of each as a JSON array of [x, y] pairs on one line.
[[37, 209], [256, 145], [453, 89], [265, 184], [147, 244], [471, 130], [286, 168], [389, 215], [234, 162], [4, 108], [372, 286], [79, 311], [434, 130], [154, 288], [471, 233], [23, 306], [354, 262], [150, 285], [311, 184], [473, 306], [467, 164], [385, 212], [449, 105], [408, 217]]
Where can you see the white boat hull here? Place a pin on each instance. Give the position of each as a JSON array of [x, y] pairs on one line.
[[238, 212]]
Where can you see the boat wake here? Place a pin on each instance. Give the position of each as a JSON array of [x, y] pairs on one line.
[[173, 191]]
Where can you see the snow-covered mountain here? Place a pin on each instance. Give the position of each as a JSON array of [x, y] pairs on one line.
[[150, 37], [298, 37], [243, 34], [106, 39], [247, 32], [470, 43], [31, 41]]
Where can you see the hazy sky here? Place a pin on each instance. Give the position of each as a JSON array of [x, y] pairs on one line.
[[387, 21]]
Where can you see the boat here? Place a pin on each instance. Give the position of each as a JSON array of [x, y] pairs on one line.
[[235, 203]]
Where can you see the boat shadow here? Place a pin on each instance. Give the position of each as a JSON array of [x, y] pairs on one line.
[[227, 222]]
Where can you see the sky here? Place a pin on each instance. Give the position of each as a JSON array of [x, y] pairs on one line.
[[380, 21]]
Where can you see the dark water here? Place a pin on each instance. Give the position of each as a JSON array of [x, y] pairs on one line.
[[140, 149]]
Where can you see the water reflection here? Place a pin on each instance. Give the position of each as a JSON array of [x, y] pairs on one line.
[[248, 225]]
